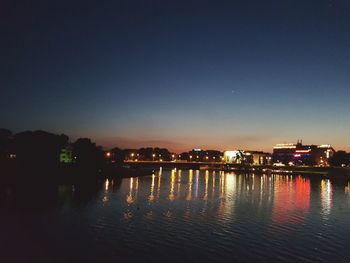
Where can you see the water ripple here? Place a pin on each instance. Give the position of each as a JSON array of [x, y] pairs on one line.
[[206, 216]]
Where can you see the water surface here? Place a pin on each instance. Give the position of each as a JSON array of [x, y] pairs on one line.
[[181, 215]]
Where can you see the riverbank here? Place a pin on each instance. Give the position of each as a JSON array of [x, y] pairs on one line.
[[261, 169], [76, 175], [295, 170]]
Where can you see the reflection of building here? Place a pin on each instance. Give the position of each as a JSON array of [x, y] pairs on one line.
[[66, 155], [299, 154], [247, 157], [291, 197]]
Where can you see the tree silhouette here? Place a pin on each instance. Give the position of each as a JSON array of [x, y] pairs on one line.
[[38, 149], [5, 143], [87, 155]]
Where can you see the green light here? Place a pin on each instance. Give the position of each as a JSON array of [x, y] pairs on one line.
[[66, 155]]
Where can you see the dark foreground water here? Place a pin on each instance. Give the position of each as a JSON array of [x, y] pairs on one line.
[[180, 216]]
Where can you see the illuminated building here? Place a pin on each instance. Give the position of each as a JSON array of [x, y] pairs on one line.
[[12, 156], [247, 157], [66, 155], [299, 154], [199, 155], [260, 158], [236, 157]]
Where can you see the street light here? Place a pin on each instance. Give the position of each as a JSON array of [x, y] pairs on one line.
[[153, 155]]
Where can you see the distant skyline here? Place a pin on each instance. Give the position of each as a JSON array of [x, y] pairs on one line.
[[178, 74]]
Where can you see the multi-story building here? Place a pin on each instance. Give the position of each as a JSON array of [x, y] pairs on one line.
[[235, 157], [199, 155], [299, 154], [247, 157], [260, 158]]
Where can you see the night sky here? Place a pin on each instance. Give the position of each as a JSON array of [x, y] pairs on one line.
[[178, 74]]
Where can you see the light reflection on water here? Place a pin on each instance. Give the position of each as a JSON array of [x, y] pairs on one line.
[[208, 216], [291, 200], [285, 195], [326, 197]]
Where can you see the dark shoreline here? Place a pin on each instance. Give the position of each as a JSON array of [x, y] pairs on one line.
[[84, 176], [327, 172]]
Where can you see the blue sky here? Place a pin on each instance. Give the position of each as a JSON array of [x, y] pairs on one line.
[[179, 74]]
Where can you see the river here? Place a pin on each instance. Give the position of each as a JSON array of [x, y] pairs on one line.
[[180, 215]]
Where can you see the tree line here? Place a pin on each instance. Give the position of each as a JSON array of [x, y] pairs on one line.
[[36, 153]]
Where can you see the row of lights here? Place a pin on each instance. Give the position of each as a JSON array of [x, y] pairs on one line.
[[132, 155]]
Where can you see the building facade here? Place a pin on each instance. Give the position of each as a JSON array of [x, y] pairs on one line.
[[260, 158], [235, 157], [247, 157], [299, 154]]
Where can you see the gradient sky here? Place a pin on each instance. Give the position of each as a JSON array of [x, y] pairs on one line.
[[178, 74]]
